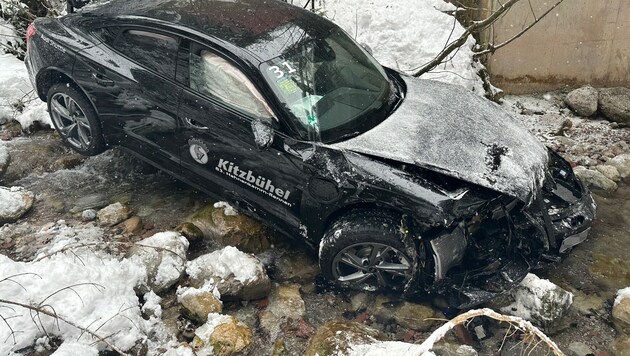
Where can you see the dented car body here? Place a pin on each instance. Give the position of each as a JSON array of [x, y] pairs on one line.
[[278, 111]]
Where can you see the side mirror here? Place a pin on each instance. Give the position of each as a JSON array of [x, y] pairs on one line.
[[263, 133]]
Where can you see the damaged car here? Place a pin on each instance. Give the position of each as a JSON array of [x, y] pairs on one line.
[[400, 184]]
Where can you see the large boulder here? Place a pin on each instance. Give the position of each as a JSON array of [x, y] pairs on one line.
[[223, 335], [14, 203], [583, 101], [609, 172], [615, 104], [112, 214], [539, 301], [622, 163], [5, 158], [338, 336], [221, 223], [621, 311], [285, 303], [237, 275], [199, 302], [595, 179], [163, 257]]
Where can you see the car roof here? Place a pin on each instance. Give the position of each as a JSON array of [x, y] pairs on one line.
[[264, 28]]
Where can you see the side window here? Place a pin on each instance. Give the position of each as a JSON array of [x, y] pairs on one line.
[[214, 76], [153, 50]]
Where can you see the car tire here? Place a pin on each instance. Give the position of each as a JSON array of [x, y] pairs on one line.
[[366, 250], [75, 119]]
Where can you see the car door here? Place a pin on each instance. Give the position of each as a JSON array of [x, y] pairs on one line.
[[131, 80], [219, 151]]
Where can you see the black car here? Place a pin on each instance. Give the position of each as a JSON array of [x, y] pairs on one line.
[[401, 184]]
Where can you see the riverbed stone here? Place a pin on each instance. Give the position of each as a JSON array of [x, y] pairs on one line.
[[112, 214], [594, 178], [609, 172], [5, 158], [91, 201], [88, 215], [540, 301], [419, 317], [622, 163], [621, 314], [285, 302], [199, 302], [163, 257], [335, 338], [583, 101], [230, 229], [133, 225], [621, 346], [578, 348], [190, 231], [14, 203], [614, 103], [223, 335], [296, 266], [237, 275]]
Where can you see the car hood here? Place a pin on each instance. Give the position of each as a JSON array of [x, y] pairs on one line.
[[450, 130]]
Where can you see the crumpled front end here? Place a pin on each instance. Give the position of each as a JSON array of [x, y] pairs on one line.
[[488, 254]]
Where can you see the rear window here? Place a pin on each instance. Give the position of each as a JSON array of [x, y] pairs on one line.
[[152, 50]]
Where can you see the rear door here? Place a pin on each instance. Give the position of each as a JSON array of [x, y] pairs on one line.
[[218, 146], [131, 80]]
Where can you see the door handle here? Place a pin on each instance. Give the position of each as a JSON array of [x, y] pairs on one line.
[[102, 81], [195, 125]]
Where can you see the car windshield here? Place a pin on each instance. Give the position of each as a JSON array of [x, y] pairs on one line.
[[329, 86]]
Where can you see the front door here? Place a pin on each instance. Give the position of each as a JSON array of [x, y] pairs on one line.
[[219, 151]]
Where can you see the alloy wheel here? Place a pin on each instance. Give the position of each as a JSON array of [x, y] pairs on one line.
[[71, 122], [371, 266]]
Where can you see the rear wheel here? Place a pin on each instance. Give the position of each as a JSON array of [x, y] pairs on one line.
[[366, 250], [75, 119]]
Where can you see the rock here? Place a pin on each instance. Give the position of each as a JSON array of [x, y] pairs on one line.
[[621, 311], [566, 141], [285, 303], [133, 225], [199, 302], [237, 275], [296, 266], [580, 349], [223, 335], [445, 348], [279, 348], [614, 103], [539, 301], [360, 301], [238, 230], [414, 316], [67, 162], [5, 159], [190, 231], [88, 215], [622, 163], [112, 214], [595, 179], [163, 256], [92, 201], [335, 338], [621, 346], [583, 101], [14, 203], [587, 304], [609, 172]]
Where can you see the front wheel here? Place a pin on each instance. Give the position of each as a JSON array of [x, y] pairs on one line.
[[75, 120], [366, 250]]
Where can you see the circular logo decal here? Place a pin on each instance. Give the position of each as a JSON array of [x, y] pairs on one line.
[[198, 151]]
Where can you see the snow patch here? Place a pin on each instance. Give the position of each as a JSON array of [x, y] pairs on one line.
[[228, 209], [209, 286], [224, 263], [622, 294], [73, 348], [214, 319], [12, 200]]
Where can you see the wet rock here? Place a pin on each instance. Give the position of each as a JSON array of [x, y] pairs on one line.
[[614, 103], [133, 225], [190, 231], [595, 179], [621, 311], [587, 304], [163, 256], [67, 162], [14, 203], [237, 275], [5, 159], [335, 338], [88, 215], [112, 214], [199, 302], [223, 335], [285, 302], [621, 346], [622, 163], [296, 266], [583, 101], [91, 201], [360, 301], [228, 229], [609, 172], [579, 349], [539, 301], [414, 316], [279, 348]]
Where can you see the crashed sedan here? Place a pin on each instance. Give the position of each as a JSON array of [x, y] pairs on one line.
[[401, 184]]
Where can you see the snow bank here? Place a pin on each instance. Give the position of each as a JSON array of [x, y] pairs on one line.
[[406, 34]]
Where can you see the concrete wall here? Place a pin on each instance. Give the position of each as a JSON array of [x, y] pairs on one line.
[[580, 42]]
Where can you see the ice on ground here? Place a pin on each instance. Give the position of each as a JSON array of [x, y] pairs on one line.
[[228, 209], [225, 263], [622, 294], [406, 34]]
